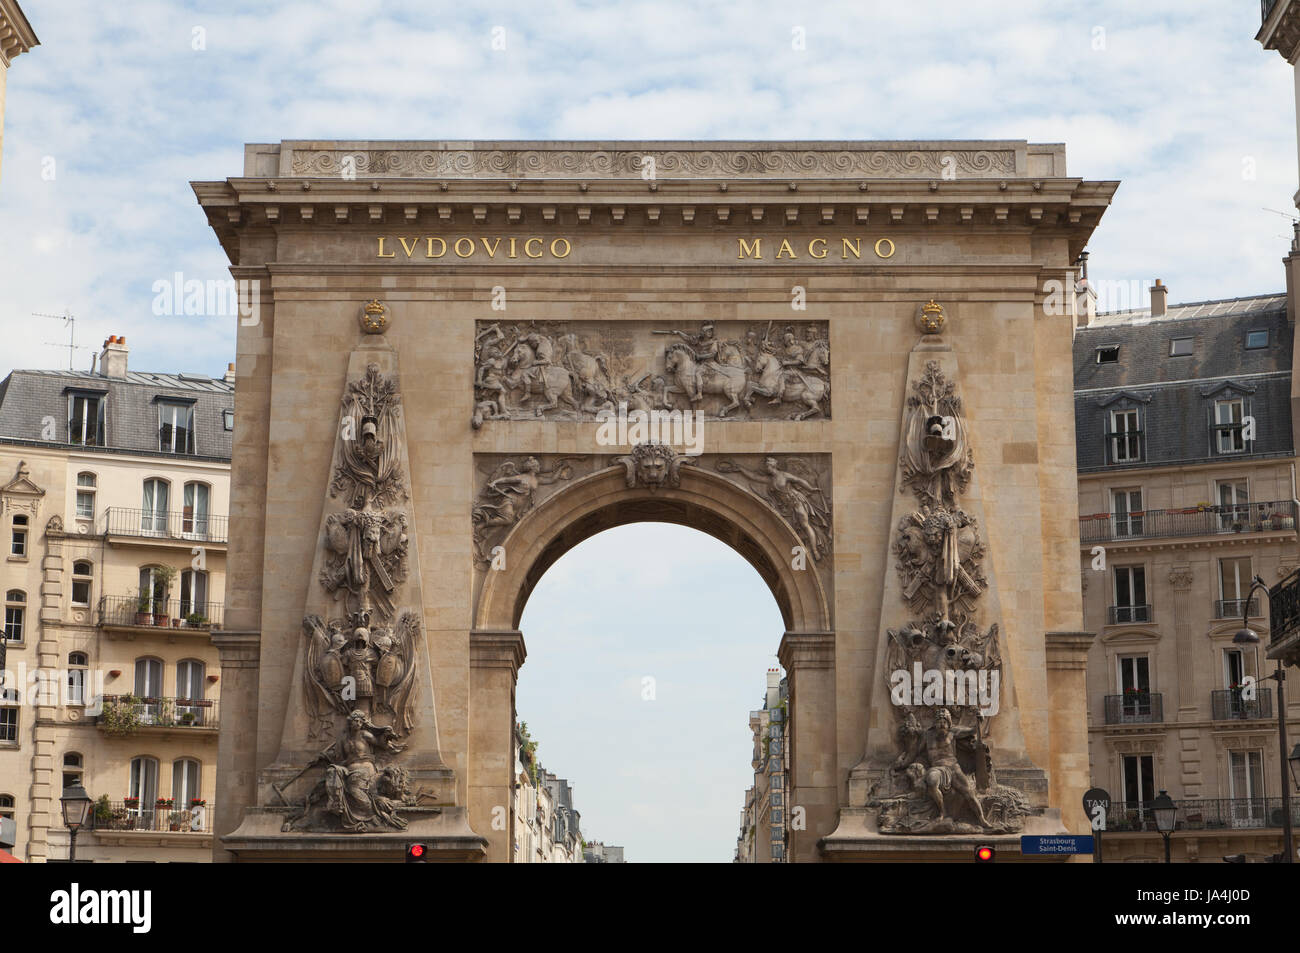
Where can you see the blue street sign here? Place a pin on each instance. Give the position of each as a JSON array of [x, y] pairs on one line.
[[1056, 844]]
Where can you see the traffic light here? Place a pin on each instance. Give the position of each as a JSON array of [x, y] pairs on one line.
[[984, 854], [415, 854]]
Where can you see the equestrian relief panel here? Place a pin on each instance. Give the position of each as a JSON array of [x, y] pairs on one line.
[[575, 370]]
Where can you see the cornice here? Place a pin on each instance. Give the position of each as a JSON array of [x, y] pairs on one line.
[[16, 34]]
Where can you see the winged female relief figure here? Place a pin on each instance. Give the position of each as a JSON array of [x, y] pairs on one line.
[[797, 498], [509, 494]]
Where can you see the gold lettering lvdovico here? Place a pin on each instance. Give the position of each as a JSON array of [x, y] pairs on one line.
[[409, 249], [529, 242], [467, 241], [567, 248], [491, 249], [429, 251], [391, 254]]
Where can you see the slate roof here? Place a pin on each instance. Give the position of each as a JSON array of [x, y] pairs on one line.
[[1175, 395], [28, 396]]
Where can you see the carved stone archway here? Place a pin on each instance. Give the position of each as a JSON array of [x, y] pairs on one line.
[[703, 500]]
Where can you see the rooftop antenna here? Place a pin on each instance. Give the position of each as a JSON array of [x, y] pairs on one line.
[[71, 324]]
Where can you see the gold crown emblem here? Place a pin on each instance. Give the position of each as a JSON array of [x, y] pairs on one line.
[[931, 317], [374, 320]]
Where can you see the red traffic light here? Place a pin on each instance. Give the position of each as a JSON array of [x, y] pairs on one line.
[[984, 855], [415, 853]]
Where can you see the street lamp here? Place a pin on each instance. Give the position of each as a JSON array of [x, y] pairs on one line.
[[1246, 636], [1166, 812], [76, 811]]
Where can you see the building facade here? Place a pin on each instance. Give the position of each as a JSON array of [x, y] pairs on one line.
[[596, 852], [765, 820], [114, 513], [547, 826], [1186, 494]]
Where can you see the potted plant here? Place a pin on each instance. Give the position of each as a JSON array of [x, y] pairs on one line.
[[121, 715], [103, 810], [143, 607], [198, 802], [178, 820], [188, 718], [131, 803], [196, 620], [162, 579]]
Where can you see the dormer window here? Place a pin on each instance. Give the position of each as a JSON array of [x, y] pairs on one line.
[[1181, 347], [1108, 354], [175, 427], [1229, 416], [1125, 436], [1256, 340], [86, 420]]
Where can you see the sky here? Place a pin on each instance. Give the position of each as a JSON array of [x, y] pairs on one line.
[[125, 103]]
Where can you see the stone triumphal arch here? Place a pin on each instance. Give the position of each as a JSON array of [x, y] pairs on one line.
[[850, 361]]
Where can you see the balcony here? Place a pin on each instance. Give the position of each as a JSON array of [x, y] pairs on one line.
[[116, 816], [1228, 704], [1235, 608], [177, 527], [1202, 814], [125, 714], [180, 615], [1187, 521], [1127, 615], [1135, 708]]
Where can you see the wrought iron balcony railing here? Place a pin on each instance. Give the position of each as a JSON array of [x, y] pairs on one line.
[[1196, 814], [1125, 615], [1135, 708], [128, 815], [1230, 703], [1232, 608], [160, 614], [1187, 521], [158, 711], [171, 526]]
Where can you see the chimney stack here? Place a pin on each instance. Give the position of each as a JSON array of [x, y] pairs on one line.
[[1159, 296], [112, 360], [229, 377]]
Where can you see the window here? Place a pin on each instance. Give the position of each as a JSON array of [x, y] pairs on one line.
[[1134, 674], [194, 517], [7, 806], [185, 783], [86, 483], [82, 572], [1181, 347], [143, 783], [1234, 509], [1234, 583], [148, 687], [1256, 340], [1130, 595], [9, 725], [1228, 431], [15, 609], [1246, 783], [1234, 667], [176, 427], [228, 419], [153, 508], [152, 594], [1108, 354], [86, 420], [190, 674], [1139, 777], [1127, 512], [1125, 436], [72, 769], [77, 667], [194, 594], [18, 545]]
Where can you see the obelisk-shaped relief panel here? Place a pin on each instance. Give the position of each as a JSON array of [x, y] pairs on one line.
[[360, 750], [945, 750]]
